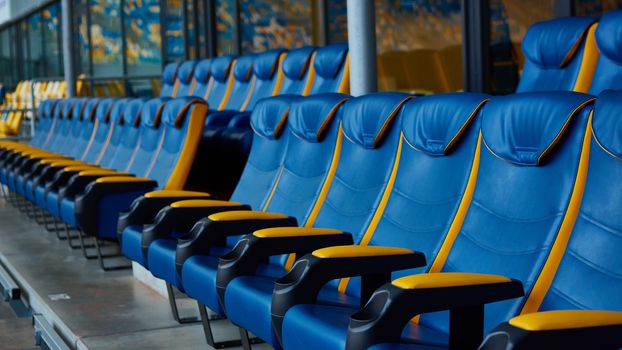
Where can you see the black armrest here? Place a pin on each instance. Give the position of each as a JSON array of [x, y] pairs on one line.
[[97, 209], [145, 208], [181, 217], [572, 329], [78, 182], [391, 307], [311, 272], [252, 250], [214, 230]]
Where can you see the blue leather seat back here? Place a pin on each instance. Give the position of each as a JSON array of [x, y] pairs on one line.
[[219, 81], [185, 78], [43, 122], [115, 132], [129, 138], [553, 52], [269, 124], [296, 70], [150, 137], [266, 74], [72, 140], [62, 113], [314, 133], [440, 138], [202, 74], [371, 141], [101, 133], [182, 126], [169, 80], [529, 163], [608, 74], [86, 128], [242, 87], [330, 65], [47, 123], [589, 274]]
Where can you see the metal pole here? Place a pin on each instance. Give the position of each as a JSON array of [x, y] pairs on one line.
[[564, 8], [362, 43], [475, 45], [69, 62], [210, 22], [237, 30]]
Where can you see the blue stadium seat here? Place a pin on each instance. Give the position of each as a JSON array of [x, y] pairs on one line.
[[185, 77], [297, 78], [331, 69], [529, 186], [202, 75], [557, 56], [608, 74], [170, 84], [581, 308]]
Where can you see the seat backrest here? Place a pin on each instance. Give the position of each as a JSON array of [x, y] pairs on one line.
[[297, 77], [150, 136], [219, 86], [241, 84], [69, 142], [269, 123], [62, 125], [182, 124], [87, 128], [588, 276], [367, 165], [267, 77], [331, 69], [201, 77], [170, 84], [115, 131], [556, 55], [101, 131], [608, 74], [185, 78], [128, 134], [530, 180], [46, 123], [436, 176]]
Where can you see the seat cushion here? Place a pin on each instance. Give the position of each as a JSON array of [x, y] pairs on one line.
[[161, 261], [67, 211], [248, 300], [317, 326], [199, 279], [51, 204], [131, 244]]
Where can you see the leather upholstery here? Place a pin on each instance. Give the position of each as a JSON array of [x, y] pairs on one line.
[[169, 76], [202, 74], [185, 77], [419, 213], [242, 85], [526, 141], [329, 65], [266, 73], [589, 274], [608, 74], [296, 70], [220, 68], [553, 52]]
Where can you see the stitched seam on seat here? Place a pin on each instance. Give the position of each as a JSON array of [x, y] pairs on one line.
[[516, 220]]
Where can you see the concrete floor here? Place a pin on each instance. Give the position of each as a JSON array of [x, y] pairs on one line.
[[90, 308]]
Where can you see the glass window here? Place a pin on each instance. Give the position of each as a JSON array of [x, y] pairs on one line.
[[82, 37], [267, 24], [35, 41], [106, 37], [225, 30], [509, 21], [419, 45], [51, 24], [596, 7], [143, 40], [337, 17], [7, 73], [174, 30]]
